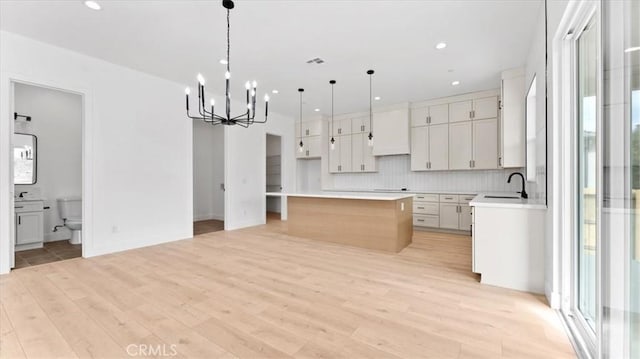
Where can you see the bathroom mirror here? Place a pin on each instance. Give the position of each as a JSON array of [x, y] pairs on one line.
[[531, 128], [24, 158]]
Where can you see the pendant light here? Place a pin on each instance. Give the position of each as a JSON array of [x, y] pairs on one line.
[[333, 140], [370, 73], [301, 147]]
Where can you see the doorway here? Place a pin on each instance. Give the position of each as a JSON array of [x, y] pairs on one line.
[[208, 178], [274, 176], [47, 158]]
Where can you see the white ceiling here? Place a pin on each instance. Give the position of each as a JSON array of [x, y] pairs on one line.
[[272, 40]]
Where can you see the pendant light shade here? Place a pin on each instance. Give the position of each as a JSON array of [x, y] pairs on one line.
[[370, 137], [301, 145], [332, 142]]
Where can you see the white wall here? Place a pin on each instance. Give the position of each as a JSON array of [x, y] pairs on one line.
[[208, 171], [56, 120], [137, 150]]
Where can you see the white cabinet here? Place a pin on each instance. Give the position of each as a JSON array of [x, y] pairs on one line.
[[512, 107], [460, 145], [309, 128], [484, 108], [360, 125], [430, 115], [340, 156], [310, 148], [465, 217], [340, 127], [449, 218], [460, 111], [430, 148], [362, 159], [29, 225], [485, 144], [391, 132]]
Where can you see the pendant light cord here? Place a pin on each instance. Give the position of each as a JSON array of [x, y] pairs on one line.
[[370, 103], [331, 110], [228, 42]]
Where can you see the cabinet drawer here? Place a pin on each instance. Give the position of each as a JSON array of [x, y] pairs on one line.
[[449, 198], [423, 220], [30, 206], [466, 198], [426, 208], [425, 197]]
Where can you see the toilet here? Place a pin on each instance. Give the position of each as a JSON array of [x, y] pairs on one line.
[[70, 210]]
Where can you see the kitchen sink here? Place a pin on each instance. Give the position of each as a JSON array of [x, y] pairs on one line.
[[503, 197]]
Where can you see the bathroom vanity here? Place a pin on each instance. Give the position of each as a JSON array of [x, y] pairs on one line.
[[29, 233]]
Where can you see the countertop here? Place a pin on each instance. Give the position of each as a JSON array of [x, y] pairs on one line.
[[374, 196], [408, 191], [482, 201]]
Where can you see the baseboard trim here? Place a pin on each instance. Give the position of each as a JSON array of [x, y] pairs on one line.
[[206, 217]]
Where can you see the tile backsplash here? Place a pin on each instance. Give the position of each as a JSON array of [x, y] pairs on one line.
[[394, 172]]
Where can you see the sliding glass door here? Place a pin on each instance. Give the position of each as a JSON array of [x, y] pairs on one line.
[[586, 173]]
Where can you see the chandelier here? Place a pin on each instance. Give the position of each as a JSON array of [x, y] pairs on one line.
[[209, 116]]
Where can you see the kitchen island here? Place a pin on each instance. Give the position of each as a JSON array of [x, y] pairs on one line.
[[382, 221]]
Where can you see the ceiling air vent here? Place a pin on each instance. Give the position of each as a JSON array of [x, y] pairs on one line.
[[317, 60]]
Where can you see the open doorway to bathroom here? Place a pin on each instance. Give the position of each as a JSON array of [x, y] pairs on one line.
[[208, 178], [274, 177], [47, 175]]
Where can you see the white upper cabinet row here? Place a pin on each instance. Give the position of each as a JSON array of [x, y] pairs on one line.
[[459, 135], [351, 153], [309, 128], [349, 126]]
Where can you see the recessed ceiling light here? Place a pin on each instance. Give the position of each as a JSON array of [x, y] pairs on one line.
[[317, 110], [275, 91], [455, 83], [441, 45], [92, 5], [631, 49], [223, 61], [377, 98]]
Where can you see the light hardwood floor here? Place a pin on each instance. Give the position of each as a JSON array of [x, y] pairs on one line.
[[257, 293]]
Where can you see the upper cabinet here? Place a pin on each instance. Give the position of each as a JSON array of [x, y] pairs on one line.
[[391, 131], [460, 111], [309, 133], [484, 108], [512, 119], [430, 115], [360, 125]]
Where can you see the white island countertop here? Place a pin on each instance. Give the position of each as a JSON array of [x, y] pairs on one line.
[[485, 200], [371, 196]]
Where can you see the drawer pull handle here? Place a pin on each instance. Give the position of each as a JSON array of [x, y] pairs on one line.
[[448, 198], [18, 207], [421, 220], [420, 207]]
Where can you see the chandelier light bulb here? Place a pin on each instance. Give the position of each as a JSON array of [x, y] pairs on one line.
[[255, 84], [247, 85], [249, 106], [266, 98], [213, 102], [200, 79], [227, 75], [253, 92], [187, 91]]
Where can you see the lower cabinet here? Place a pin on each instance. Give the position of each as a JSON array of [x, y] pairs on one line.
[[29, 227], [446, 211]]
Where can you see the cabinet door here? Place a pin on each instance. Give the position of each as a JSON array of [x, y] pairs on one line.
[[368, 160], [357, 152], [334, 156], [512, 122], [485, 144], [419, 116], [343, 127], [314, 128], [460, 111], [460, 146], [391, 133], [449, 216], [29, 227], [360, 125], [439, 147], [313, 148], [345, 153], [465, 217], [485, 108], [419, 148], [439, 114]]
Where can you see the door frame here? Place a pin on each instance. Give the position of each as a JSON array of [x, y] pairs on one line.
[[7, 233], [283, 199]]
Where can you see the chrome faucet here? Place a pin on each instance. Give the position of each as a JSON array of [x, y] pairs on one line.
[[523, 193]]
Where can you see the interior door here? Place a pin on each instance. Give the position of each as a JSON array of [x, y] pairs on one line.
[[460, 146], [438, 147], [485, 144]]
